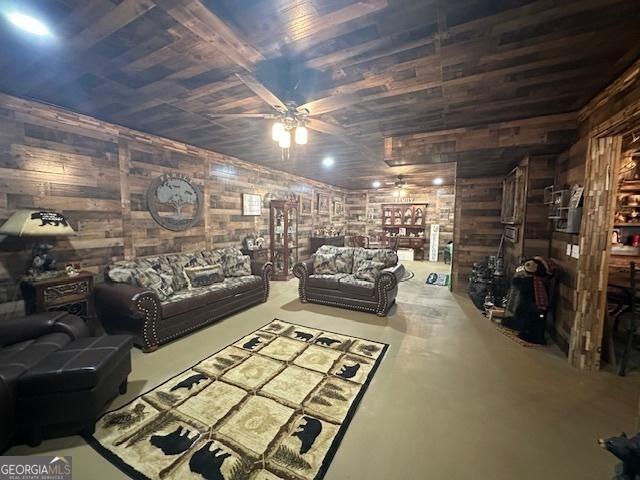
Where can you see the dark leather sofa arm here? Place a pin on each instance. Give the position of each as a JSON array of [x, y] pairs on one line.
[[386, 287], [18, 329], [397, 271], [302, 270], [123, 298], [124, 308], [264, 270]]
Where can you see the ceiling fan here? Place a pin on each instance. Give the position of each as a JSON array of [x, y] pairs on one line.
[[294, 120], [400, 185]]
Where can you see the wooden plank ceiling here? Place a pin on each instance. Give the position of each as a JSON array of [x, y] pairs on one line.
[[458, 67]]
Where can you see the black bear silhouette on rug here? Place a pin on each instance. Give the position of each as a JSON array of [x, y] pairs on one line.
[[208, 463], [348, 371], [308, 433], [189, 382], [173, 443], [303, 336], [253, 343], [326, 341]]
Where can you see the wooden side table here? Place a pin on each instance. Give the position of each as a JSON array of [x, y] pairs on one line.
[[63, 293], [259, 254]]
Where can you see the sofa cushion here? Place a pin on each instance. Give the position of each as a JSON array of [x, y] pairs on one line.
[[356, 287], [329, 282], [324, 264], [368, 271], [344, 259], [186, 300], [203, 276], [213, 257], [237, 266], [386, 256], [155, 281]]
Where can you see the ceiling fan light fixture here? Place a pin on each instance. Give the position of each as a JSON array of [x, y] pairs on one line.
[[302, 135], [285, 140], [277, 131]]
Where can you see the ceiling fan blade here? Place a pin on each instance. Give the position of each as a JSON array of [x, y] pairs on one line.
[[266, 116], [263, 92], [338, 132], [329, 104]]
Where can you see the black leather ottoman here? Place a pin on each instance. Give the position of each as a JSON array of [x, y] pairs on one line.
[[66, 393]]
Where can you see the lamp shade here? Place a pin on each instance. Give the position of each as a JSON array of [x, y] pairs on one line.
[[37, 223]]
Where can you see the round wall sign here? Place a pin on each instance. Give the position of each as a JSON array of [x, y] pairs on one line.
[[175, 202]]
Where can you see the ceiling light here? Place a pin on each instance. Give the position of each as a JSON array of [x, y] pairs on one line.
[[328, 162], [376, 184], [285, 140], [28, 23], [276, 131], [438, 181], [302, 135]]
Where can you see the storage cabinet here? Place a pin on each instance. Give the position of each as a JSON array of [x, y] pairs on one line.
[[283, 229]]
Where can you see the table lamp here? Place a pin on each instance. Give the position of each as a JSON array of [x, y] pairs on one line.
[[38, 223]]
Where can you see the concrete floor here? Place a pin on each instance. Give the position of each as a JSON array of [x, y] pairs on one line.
[[453, 399]]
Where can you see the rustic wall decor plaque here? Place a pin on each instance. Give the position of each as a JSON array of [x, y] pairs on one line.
[[175, 202]]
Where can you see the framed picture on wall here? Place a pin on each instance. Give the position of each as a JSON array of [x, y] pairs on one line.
[[338, 208], [251, 204], [323, 203], [306, 206]]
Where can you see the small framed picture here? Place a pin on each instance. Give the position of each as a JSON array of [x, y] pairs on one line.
[[323, 203], [338, 208], [306, 206], [251, 204]]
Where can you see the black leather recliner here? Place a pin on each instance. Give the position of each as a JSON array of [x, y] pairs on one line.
[[48, 361]]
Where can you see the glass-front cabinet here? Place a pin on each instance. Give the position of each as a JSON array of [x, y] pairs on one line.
[[283, 231]]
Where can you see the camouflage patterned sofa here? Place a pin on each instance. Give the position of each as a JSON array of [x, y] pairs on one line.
[[348, 277], [159, 299]]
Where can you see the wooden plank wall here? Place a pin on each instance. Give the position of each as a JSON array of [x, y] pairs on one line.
[[477, 229], [364, 209], [535, 232], [569, 170], [97, 174], [599, 207]]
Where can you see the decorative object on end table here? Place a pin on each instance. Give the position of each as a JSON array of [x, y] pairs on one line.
[[38, 223], [251, 204], [175, 202]]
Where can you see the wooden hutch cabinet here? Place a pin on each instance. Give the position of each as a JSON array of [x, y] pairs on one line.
[[407, 222], [283, 230]]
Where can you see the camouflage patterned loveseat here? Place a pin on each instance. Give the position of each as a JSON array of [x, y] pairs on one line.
[[159, 299], [355, 278]]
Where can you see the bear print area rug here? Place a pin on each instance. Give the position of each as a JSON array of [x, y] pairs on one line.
[[274, 405]]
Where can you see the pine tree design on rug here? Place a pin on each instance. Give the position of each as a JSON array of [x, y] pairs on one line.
[[272, 406]]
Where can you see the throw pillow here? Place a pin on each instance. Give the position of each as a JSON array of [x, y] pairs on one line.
[[386, 256], [344, 260], [369, 270], [203, 276], [154, 281], [361, 255], [238, 266], [324, 264]]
